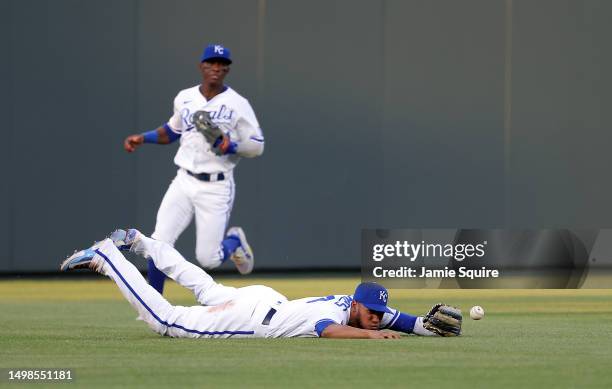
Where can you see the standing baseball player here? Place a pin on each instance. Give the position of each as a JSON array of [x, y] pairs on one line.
[[252, 311], [216, 126]]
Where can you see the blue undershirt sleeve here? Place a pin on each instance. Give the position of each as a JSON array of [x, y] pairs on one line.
[[150, 136], [404, 323], [322, 325], [173, 136]]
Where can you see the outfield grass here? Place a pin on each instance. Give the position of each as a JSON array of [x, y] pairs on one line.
[[528, 339]]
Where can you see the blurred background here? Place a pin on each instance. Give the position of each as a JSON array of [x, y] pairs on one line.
[[376, 114]]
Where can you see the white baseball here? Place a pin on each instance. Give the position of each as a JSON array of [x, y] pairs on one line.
[[477, 313]]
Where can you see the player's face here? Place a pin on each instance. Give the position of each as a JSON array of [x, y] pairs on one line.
[[366, 318], [214, 71]]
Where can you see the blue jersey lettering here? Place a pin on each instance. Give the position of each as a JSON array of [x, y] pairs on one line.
[[321, 299], [344, 302]]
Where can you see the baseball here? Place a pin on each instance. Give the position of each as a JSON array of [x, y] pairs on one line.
[[477, 313]]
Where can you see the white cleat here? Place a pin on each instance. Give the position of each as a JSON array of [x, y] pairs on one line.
[[243, 256]]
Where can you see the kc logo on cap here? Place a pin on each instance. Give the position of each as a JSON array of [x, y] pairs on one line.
[[216, 52], [383, 296]]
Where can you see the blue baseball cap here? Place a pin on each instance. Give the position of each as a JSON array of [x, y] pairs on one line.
[[216, 51], [374, 296]]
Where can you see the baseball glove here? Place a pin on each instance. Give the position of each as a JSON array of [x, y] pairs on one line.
[[444, 320], [219, 142]]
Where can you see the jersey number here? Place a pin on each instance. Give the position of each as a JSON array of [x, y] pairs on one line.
[[344, 301]]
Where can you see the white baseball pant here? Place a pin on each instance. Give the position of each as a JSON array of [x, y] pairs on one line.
[[210, 202], [228, 311]]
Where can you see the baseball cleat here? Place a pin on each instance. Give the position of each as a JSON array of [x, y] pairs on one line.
[[243, 256], [83, 259], [123, 239]]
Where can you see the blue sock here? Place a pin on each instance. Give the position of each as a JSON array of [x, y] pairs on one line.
[[156, 277], [230, 244]]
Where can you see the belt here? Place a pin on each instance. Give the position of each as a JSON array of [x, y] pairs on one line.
[[207, 177], [268, 317]]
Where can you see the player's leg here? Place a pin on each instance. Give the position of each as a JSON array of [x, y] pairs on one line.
[[174, 215], [168, 260], [227, 320], [213, 205], [231, 319], [106, 259]]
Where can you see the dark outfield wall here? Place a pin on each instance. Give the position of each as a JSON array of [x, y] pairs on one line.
[[376, 114]]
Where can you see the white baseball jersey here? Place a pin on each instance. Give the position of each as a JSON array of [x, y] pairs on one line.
[[307, 317], [231, 112]]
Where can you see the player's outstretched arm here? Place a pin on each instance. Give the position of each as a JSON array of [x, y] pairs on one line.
[[161, 135], [406, 323], [339, 331]]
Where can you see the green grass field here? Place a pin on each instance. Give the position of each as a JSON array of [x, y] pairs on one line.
[[528, 339]]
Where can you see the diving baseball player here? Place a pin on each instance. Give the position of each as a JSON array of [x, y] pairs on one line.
[[252, 311], [216, 126]]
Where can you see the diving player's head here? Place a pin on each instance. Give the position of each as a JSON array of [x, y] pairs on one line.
[[215, 64], [368, 306]]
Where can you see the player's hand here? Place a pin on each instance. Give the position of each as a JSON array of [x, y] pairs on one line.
[[131, 142], [383, 335], [221, 145]]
